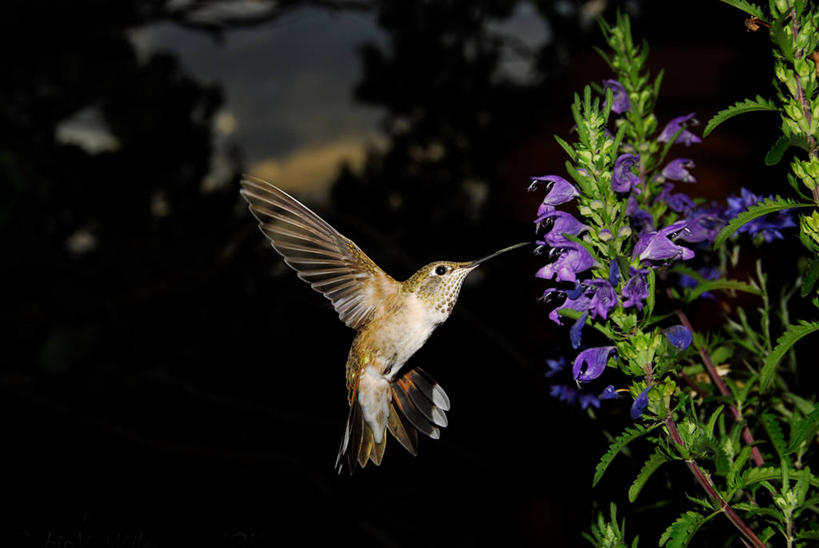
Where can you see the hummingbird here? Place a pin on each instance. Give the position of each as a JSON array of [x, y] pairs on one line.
[[392, 319]]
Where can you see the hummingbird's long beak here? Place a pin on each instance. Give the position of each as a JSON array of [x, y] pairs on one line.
[[474, 264]]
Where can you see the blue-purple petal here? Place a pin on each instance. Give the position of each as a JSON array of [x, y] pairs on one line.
[[576, 331], [674, 126], [609, 393], [622, 178], [640, 404], [679, 336], [620, 100], [677, 170], [594, 359]]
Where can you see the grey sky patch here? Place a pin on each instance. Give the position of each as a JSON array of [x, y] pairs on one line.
[[288, 84]]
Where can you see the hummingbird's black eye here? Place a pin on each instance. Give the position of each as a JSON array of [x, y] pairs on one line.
[[440, 270]]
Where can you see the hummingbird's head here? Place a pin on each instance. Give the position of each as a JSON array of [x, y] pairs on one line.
[[439, 283]]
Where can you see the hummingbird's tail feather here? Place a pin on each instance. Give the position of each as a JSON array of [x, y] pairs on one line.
[[417, 404]]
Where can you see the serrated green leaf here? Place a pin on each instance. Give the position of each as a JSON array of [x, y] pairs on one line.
[[774, 430], [649, 467], [741, 107], [652, 282], [771, 473], [811, 275], [747, 7], [764, 207], [783, 143], [621, 441], [567, 147], [679, 533], [783, 344], [806, 429], [774, 155], [720, 284], [813, 534]]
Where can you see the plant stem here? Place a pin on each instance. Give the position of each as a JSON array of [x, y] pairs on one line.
[[706, 484], [747, 437]]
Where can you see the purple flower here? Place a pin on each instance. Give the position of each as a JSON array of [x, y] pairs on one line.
[[623, 179], [603, 299], [656, 246], [677, 170], [620, 100], [674, 126], [766, 227], [640, 218], [559, 191], [679, 336], [558, 223], [571, 395], [556, 366], [640, 404], [576, 332], [707, 272], [572, 259], [585, 400], [609, 393], [564, 393], [636, 289], [614, 272], [579, 302], [595, 360], [678, 202], [704, 224]]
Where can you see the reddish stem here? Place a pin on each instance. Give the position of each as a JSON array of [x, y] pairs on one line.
[[747, 437], [706, 484]]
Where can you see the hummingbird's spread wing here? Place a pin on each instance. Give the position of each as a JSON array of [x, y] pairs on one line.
[[332, 264]]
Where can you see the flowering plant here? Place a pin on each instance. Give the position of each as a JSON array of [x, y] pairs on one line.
[[621, 272]]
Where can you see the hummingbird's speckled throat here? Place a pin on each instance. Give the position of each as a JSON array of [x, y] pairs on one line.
[[392, 319]]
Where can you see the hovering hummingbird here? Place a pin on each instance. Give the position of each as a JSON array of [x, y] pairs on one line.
[[393, 319]]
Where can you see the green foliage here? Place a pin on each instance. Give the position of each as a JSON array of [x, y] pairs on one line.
[[619, 443], [679, 533], [747, 7], [764, 207], [608, 533], [783, 344], [649, 467], [741, 107]]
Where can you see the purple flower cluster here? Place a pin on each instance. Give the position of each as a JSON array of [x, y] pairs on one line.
[[595, 297], [767, 227]]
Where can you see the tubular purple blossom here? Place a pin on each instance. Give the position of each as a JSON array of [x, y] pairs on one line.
[[767, 227], [640, 403], [679, 336], [556, 366], [559, 191], [622, 178], [674, 126], [603, 299], [559, 223], [609, 393], [636, 289], [620, 101], [572, 259], [677, 170], [656, 246], [576, 331], [594, 359]]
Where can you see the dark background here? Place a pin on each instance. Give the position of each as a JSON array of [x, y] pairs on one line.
[[176, 385]]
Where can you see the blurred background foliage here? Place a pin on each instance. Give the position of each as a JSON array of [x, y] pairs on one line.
[[166, 376]]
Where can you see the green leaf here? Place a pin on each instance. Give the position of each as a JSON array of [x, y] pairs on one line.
[[720, 284], [748, 105], [567, 147], [806, 429], [771, 473], [649, 467], [679, 533], [774, 431], [768, 205], [811, 275], [747, 7], [619, 443], [774, 155], [652, 282], [783, 344]]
